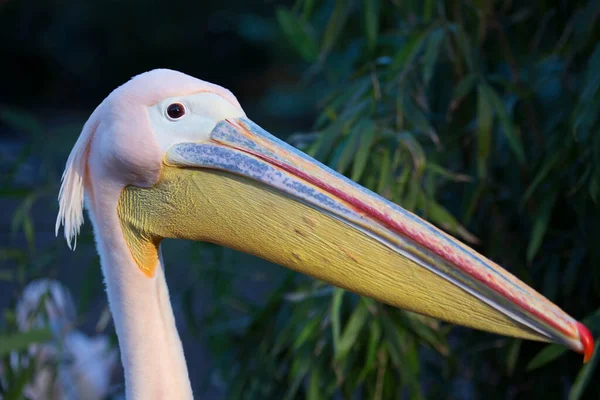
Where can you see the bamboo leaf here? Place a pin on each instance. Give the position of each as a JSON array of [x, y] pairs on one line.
[[540, 225], [299, 33], [507, 125], [352, 329], [367, 136], [408, 141], [372, 346], [21, 121], [405, 58], [444, 173], [426, 333], [434, 44], [336, 23], [429, 6], [18, 384], [7, 275], [465, 46], [307, 9], [513, 356], [29, 231], [385, 173], [299, 370], [351, 146], [314, 389], [309, 330], [548, 166], [545, 356], [412, 195], [419, 121], [371, 22], [21, 341], [462, 89], [336, 325], [485, 121], [442, 217]]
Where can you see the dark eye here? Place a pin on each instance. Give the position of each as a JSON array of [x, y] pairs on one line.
[[175, 110]]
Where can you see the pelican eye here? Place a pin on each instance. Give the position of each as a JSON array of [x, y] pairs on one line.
[[175, 111]]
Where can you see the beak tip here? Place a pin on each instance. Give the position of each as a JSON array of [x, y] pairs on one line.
[[587, 342]]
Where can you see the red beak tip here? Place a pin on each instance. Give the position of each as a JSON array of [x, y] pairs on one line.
[[587, 341]]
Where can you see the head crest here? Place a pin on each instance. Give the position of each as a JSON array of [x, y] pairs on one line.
[[71, 195]]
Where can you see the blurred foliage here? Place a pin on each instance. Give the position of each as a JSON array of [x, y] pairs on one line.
[[480, 116]]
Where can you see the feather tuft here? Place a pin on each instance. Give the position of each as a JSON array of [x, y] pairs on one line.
[[72, 189]]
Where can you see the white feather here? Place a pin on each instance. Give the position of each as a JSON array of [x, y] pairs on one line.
[[72, 189]]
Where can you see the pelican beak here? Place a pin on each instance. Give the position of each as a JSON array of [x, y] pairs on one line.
[[250, 191]]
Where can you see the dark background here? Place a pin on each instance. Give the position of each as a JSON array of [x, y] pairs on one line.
[[299, 68]]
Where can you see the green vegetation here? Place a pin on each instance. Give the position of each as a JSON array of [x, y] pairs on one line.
[[481, 116]]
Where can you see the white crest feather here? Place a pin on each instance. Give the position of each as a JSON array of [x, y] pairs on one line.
[[71, 195]]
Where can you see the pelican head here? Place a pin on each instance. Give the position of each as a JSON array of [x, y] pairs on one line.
[[171, 156]]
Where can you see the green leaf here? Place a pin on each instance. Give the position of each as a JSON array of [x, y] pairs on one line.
[[21, 341], [545, 356], [462, 89], [372, 346], [307, 8], [314, 389], [465, 46], [485, 121], [20, 120], [299, 370], [437, 214], [429, 6], [371, 22], [434, 44], [309, 330], [548, 166], [17, 386], [408, 141], [513, 356], [367, 137], [405, 58], [436, 169], [385, 173], [334, 27], [7, 275], [412, 195], [425, 332], [299, 33], [29, 231], [322, 147], [419, 121], [351, 146], [352, 329], [336, 325], [328, 137], [507, 125], [540, 225], [585, 375]]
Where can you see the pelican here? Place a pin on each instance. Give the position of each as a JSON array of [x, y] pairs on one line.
[[167, 155]]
